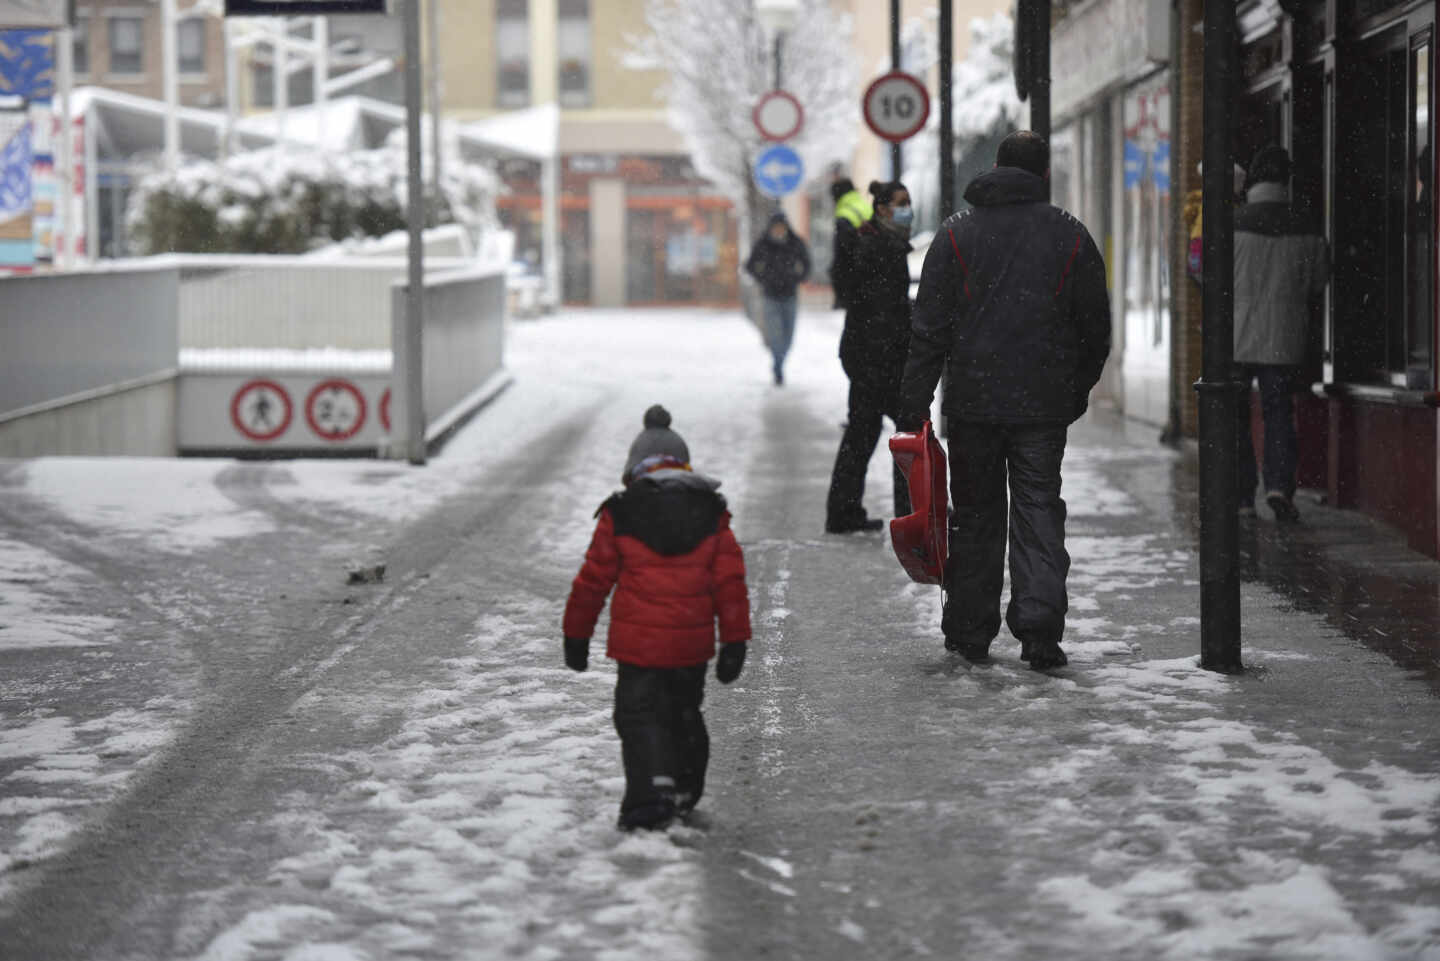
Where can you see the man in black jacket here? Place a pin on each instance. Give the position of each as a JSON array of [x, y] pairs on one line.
[[1013, 294]]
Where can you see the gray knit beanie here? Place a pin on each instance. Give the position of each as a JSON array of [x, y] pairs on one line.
[[657, 439]]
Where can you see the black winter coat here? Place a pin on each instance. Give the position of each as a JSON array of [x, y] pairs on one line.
[[779, 265], [842, 264], [877, 319], [1013, 293]]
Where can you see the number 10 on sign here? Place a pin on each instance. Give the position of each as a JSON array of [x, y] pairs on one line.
[[896, 106]]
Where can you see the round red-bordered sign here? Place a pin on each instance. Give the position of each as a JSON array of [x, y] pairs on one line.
[[335, 410], [896, 106], [778, 115], [385, 410], [253, 416]]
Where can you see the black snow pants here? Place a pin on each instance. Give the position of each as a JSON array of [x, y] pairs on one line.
[[981, 457], [843, 506], [663, 741]]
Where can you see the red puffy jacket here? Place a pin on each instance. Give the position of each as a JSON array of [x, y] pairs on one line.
[[666, 542]]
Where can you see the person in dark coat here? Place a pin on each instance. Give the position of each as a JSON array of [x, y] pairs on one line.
[[1281, 267], [664, 544], [851, 212], [779, 261], [872, 352], [1012, 296]]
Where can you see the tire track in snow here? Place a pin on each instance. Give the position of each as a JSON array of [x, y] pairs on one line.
[[166, 836]]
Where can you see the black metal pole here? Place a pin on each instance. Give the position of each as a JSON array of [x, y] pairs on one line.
[[896, 155], [1219, 393], [946, 51], [947, 110], [779, 52], [1040, 78]]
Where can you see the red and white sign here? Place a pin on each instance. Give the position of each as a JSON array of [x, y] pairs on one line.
[[335, 410], [778, 115], [261, 410], [385, 410], [896, 106]]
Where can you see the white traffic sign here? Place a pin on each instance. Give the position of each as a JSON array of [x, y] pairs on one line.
[[896, 106], [778, 115], [335, 410], [261, 410]]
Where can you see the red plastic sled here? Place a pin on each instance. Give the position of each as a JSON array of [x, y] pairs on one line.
[[920, 539]]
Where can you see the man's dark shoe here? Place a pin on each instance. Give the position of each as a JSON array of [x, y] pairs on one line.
[[1284, 508], [973, 652], [648, 817], [1043, 657], [854, 524]]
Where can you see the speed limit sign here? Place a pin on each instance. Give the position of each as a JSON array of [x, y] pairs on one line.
[[896, 106]]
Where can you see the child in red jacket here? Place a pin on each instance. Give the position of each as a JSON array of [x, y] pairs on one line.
[[664, 543]]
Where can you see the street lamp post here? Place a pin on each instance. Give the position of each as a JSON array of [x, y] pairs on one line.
[[777, 17]]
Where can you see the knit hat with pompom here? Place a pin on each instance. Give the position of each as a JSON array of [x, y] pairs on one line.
[[656, 446]]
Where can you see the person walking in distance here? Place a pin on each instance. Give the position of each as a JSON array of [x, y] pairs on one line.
[[1281, 266], [872, 352], [779, 261], [665, 540], [1012, 296]]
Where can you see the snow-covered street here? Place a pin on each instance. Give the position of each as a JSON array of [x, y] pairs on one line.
[[213, 747]]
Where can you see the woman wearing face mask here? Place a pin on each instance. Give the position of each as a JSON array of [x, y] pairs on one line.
[[872, 352]]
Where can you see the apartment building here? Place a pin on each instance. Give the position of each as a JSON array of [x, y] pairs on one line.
[[118, 44], [637, 225]]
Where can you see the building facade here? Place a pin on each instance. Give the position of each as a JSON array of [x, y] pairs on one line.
[[118, 44], [637, 226], [1347, 86]]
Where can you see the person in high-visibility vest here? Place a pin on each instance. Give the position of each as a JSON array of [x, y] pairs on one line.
[[851, 210]]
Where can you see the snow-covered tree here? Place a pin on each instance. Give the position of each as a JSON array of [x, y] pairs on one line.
[[985, 107], [273, 201], [720, 60]]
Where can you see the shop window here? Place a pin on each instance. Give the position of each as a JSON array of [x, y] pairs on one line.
[[573, 49], [512, 52], [1369, 285], [127, 45], [1147, 218], [80, 46], [190, 37], [1415, 365]]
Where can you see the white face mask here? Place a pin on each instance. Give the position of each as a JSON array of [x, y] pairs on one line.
[[902, 216]]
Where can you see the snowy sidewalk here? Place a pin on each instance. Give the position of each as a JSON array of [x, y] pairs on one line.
[[433, 784]]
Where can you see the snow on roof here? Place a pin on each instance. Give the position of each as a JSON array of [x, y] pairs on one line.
[[345, 120], [532, 132]]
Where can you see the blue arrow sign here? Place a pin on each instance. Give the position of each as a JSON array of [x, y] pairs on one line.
[[778, 170]]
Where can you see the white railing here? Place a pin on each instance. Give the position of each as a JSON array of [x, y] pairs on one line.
[[292, 303]]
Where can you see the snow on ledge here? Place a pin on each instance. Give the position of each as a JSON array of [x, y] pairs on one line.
[[213, 359]]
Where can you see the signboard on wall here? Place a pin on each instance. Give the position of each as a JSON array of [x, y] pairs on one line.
[[17, 232], [47, 14], [308, 8]]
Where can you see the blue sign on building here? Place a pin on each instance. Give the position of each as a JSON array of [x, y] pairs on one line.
[[778, 170]]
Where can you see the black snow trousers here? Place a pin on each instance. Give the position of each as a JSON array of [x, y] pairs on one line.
[[663, 741], [981, 456], [843, 506]]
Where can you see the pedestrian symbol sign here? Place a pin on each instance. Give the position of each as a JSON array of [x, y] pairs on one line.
[[778, 170], [261, 410], [335, 410]]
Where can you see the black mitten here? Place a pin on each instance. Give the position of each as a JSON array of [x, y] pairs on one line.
[[577, 652], [911, 423], [728, 664]]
